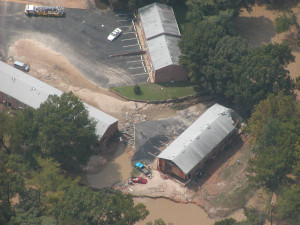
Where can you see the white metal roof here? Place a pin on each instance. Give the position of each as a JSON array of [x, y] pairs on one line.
[[164, 51], [33, 92], [158, 19], [200, 138]]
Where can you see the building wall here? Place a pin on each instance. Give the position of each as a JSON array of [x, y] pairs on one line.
[[13, 103], [111, 130], [169, 73], [10, 101], [166, 74], [169, 167]]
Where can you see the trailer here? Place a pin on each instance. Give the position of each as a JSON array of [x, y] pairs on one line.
[[33, 10], [142, 168]]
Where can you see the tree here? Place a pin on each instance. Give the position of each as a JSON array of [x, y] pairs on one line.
[[11, 183], [227, 221], [65, 131], [198, 9], [258, 75], [218, 70], [289, 204], [275, 154], [284, 21], [281, 107], [196, 43], [158, 222]]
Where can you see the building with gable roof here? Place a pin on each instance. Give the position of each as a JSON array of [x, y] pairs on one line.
[[161, 35], [208, 135], [18, 90]]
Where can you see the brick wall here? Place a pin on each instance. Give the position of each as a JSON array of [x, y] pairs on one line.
[[169, 73]]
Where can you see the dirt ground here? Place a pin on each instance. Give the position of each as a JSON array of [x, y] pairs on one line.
[[56, 70]]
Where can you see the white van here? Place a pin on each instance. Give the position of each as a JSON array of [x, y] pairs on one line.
[[21, 66]]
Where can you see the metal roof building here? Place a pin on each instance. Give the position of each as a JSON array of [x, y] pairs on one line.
[[200, 139], [161, 35], [158, 19], [164, 51], [32, 92]]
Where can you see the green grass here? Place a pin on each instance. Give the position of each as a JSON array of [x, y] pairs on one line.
[[155, 92]]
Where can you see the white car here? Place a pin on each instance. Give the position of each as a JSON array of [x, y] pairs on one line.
[[113, 35]]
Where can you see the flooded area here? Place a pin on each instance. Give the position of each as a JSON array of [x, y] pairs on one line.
[[100, 173], [175, 213]]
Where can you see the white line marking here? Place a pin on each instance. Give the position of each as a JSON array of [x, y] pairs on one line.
[[124, 14], [133, 68], [123, 20], [134, 61], [126, 46], [139, 74], [144, 67], [125, 26], [128, 39], [129, 33]]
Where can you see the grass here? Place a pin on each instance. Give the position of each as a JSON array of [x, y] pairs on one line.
[[236, 198], [155, 92]]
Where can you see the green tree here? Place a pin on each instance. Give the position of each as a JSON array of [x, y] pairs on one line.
[[65, 131], [288, 207], [219, 68], [158, 222], [227, 221], [198, 9], [281, 107], [284, 21], [275, 154], [11, 183], [196, 43], [258, 75]]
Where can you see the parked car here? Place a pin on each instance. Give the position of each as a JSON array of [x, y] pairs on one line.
[[142, 168], [139, 180], [21, 66], [113, 35]]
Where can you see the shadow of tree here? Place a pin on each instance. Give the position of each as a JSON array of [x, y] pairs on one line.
[[256, 30]]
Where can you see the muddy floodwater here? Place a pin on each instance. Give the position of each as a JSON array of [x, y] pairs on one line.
[[119, 168], [172, 212]]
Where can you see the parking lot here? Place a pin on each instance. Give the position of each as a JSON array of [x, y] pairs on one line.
[[81, 36]]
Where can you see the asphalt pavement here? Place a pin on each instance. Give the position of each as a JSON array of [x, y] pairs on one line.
[[80, 36]]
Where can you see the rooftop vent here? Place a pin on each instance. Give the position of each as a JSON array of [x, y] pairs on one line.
[[13, 78]]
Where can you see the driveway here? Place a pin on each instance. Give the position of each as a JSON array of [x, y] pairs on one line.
[[81, 38]]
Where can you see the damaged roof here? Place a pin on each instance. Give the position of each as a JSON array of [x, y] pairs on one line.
[[203, 136], [33, 92]]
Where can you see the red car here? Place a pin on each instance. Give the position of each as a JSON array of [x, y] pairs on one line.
[[139, 180]]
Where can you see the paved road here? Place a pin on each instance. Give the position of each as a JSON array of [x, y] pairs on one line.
[[81, 38]]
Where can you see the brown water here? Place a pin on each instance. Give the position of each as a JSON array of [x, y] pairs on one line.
[[172, 212], [116, 170]]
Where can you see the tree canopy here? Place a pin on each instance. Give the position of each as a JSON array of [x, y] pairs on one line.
[[59, 128]]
